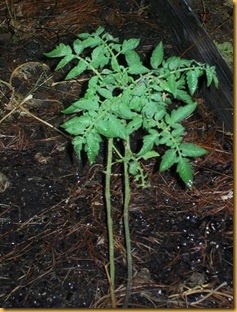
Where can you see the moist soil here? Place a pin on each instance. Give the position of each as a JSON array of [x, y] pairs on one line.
[[54, 251]]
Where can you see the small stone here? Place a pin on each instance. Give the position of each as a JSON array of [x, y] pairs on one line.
[[4, 182]]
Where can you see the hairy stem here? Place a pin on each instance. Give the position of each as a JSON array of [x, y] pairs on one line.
[[126, 226], [110, 222]]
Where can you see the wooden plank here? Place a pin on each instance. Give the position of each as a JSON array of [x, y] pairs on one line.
[[188, 32]]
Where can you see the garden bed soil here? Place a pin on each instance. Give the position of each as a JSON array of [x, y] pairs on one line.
[[52, 215]]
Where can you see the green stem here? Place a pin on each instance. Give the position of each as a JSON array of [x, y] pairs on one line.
[[126, 226], [110, 222]]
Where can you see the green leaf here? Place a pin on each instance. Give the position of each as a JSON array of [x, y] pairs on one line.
[[149, 109], [211, 75], [168, 119], [70, 109], [178, 130], [171, 81], [180, 83], [97, 52], [65, 61], [164, 85], [216, 81], [118, 128], [185, 171], [117, 47], [78, 142], [161, 111], [99, 31], [168, 159], [124, 110], [136, 103], [109, 80], [184, 96], [60, 50], [192, 81], [77, 70], [148, 143], [84, 35], [91, 42], [149, 123], [156, 87], [111, 128], [105, 93], [77, 125], [139, 89], [92, 145], [132, 58], [134, 124], [92, 84], [173, 62], [77, 46], [115, 65], [156, 96], [150, 154], [133, 167], [108, 37], [83, 104], [99, 57], [185, 63], [129, 44], [192, 150], [165, 139], [182, 112], [157, 56], [138, 69]]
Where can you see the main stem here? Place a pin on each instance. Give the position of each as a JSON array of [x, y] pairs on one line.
[[110, 222], [126, 226]]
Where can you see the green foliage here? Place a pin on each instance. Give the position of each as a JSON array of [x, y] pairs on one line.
[[226, 49], [123, 95]]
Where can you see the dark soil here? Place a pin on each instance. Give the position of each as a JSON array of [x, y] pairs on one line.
[[52, 215]]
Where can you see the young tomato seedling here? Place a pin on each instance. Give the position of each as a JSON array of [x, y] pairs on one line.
[[122, 96]]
